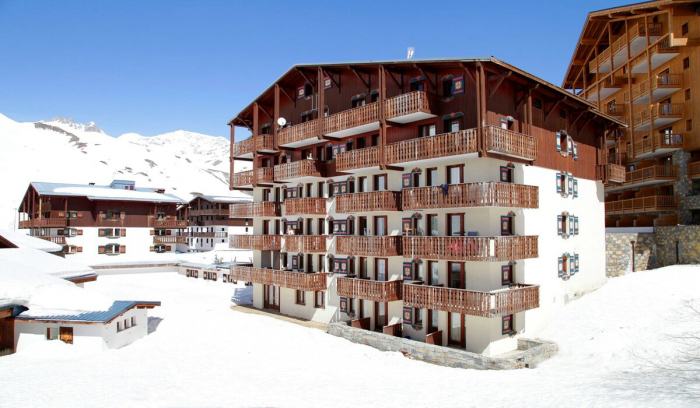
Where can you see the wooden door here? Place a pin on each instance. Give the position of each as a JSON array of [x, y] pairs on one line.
[[455, 327], [380, 225], [272, 297], [456, 277], [66, 335]]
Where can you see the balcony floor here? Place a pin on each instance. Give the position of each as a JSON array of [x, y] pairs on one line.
[[657, 152], [459, 157], [411, 117], [635, 185], [354, 130], [305, 142], [656, 60], [604, 93], [658, 123], [659, 93]]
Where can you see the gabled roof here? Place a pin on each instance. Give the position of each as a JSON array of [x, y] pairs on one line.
[[18, 240], [398, 64], [104, 316], [221, 199], [94, 193]]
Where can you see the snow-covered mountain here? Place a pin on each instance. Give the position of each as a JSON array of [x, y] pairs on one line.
[[60, 150]]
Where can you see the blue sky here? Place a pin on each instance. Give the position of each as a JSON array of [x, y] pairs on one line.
[[152, 67]]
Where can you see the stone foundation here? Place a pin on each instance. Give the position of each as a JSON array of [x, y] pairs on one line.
[[528, 355]]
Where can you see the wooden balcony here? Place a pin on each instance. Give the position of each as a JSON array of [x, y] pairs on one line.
[[642, 204], [303, 134], [509, 143], [432, 147], [662, 114], [661, 51], [473, 303], [408, 107], [243, 179], [607, 87], [651, 175], [660, 86], [44, 223], [167, 223], [250, 210], [368, 245], [693, 170], [305, 206], [210, 211], [55, 240], [293, 280], [635, 39], [219, 234], [654, 146], [302, 169], [610, 173], [251, 178], [504, 248], [244, 149], [170, 239], [256, 242], [368, 202], [374, 291], [358, 160], [485, 194], [616, 111], [352, 121], [304, 243], [231, 222]]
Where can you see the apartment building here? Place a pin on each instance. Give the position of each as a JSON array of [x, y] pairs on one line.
[[639, 64], [112, 220], [445, 200], [210, 222]]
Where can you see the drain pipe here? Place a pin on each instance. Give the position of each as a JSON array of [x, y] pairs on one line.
[[632, 243]]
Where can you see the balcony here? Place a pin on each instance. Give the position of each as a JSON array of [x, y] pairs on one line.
[[247, 179], [635, 38], [231, 222], [55, 240], [610, 173], [662, 86], [648, 176], [367, 245], [169, 239], [307, 169], [642, 204], [250, 210], [446, 145], [304, 243], [693, 170], [616, 110], [663, 114], [608, 87], [303, 134], [219, 234], [44, 223], [245, 148], [368, 202], [654, 146], [256, 242], [305, 206], [661, 52], [408, 107], [210, 211], [358, 160], [352, 121], [509, 143], [293, 280], [483, 304], [375, 291], [485, 249], [167, 223], [485, 194]]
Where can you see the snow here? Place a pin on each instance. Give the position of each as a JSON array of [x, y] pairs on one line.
[[22, 240], [106, 192], [44, 262], [203, 353]]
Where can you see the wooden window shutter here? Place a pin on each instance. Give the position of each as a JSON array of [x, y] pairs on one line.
[[101, 232], [572, 265], [122, 249], [506, 274], [122, 232], [561, 267], [558, 138], [100, 249], [153, 232], [559, 176], [168, 248], [122, 215], [102, 214], [80, 249], [408, 315], [575, 225], [406, 226], [575, 188], [569, 145], [575, 151], [80, 214], [59, 232], [559, 225], [80, 232], [571, 185], [153, 250], [505, 225], [571, 226], [168, 232], [576, 262], [408, 270]]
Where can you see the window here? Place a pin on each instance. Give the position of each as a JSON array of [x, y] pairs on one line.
[[455, 174], [433, 225], [52, 333], [374, 97], [319, 301], [456, 274], [451, 125], [687, 94], [380, 225], [380, 269], [686, 62], [426, 130], [684, 29], [380, 182], [133, 321], [434, 273], [301, 297], [454, 224], [306, 118], [447, 87], [417, 316], [119, 327], [433, 319], [126, 323], [418, 86], [358, 102], [431, 176], [689, 125]]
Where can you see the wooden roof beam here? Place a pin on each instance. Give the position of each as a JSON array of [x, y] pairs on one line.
[[287, 95], [269, 115], [554, 106], [499, 80], [306, 78], [356, 72], [330, 75], [391, 75], [425, 74]]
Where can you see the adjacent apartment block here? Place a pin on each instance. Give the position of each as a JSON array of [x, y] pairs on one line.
[[444, 200], [210, 222], [110, 221], [639, 64]]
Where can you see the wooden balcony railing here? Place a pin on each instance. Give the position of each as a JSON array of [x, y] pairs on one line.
[[651, 144], [43, 222], [485, 194], [368, 245], [286, 279], [642, 204], [304, 243], [693, 170], [218, 234], [667, 110], [256, 242], [431, 147], [614, 110], [504, 248], [375, 291], [368, 201], [243, 178], [652, 173], [209, 211], [357, 159], [473, 303], [299, 169], [167, 223], [610, 173], [406, 104], [169, 239], [305, 206], [260, 143], [263, 175], [55, 240], [250, 210], [351, 118], [510, 143], [243, 147], [297, 133], [640, 30], [663, 46]]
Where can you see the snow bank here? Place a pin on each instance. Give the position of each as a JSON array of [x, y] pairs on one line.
[[25, 241], [44, 262], [107, 192]]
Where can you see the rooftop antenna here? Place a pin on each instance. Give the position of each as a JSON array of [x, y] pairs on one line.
[[411, 50]]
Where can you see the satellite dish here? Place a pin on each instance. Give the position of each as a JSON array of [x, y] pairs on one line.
[[281, 121]]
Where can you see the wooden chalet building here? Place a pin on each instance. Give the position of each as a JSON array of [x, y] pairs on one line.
[[446, 200], [210, 221], [114, 220], [639, 63]]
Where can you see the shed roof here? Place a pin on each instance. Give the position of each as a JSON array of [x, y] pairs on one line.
[[104, 316]]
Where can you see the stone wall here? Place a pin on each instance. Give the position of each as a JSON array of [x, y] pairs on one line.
[[618, 252], [529, 354], [677, 245]]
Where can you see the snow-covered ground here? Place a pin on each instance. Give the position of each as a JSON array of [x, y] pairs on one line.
[[202, 353]]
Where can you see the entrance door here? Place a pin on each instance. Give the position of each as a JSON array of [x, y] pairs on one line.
[[272, 297], [455, 225], [456, 274], [455, 326], [380, 265], [380, 225], [66, 334]]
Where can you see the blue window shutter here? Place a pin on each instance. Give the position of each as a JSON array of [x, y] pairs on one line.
[[575, 188], [572, 265], [571, 185], [571, 226], [558, 137], [569, 145], [558, 183], [575, 225], [561, 267], [577, 264], [559, 225], [575, 151]]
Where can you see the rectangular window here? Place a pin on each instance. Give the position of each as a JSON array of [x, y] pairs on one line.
[[434, 273], [433, 318], [380, 182], [380, 269], [133, 321], [686, 62], [358, 102], [52, 333], [417, 316], [431, 176], [433, 225], [119, 326], [426, 130], [455, 174], [451, 125], [319, 300], [684, 29], [687, 94], [301, 297], [456, 274], [447, 87], [380, 226], [689, 125], [455, 223]]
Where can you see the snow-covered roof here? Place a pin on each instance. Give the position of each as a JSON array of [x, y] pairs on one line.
[[43, 262], [25, 241], [95, 192], [222, 199], [98, 316]]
